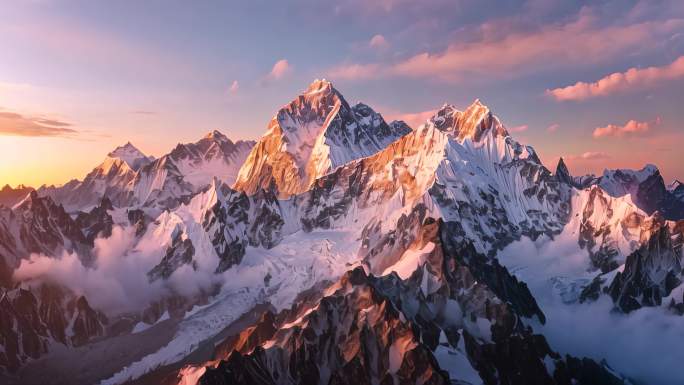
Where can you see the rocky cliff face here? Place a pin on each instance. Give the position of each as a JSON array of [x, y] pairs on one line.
[[649, 274], [31, 319]]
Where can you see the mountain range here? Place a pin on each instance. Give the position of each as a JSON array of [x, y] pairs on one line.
[[339, 248]]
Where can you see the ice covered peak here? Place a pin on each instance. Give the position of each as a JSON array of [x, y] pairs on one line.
[[126, 150], [626, 175], [675, 185], [473, 123], [319, 86], [129, 154], [624, 181], [115, 166], [216, 135], [315, 133]]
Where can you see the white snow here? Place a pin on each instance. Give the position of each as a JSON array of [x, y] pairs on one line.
[[296, 264], [409, 261], [456, 362], [142, 326]]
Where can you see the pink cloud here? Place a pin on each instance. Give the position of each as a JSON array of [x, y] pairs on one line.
[[553, 127], [12, 123], [378, 42], [632, 79], [280, 68], [522, 128], [581, 42], [632, 127], [589, 155], [414, 119], [234, 87]]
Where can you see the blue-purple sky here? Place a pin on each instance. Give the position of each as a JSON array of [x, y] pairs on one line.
[[598, 82]]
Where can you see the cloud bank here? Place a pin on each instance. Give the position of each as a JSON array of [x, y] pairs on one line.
[[118, 281], [645, 345], [632, 127], [581, 42], [631, 80]]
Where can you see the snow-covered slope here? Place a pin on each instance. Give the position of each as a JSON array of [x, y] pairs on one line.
[[133, 157]]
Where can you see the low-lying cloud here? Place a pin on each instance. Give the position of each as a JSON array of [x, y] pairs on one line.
[[118, 281], [645, 345]]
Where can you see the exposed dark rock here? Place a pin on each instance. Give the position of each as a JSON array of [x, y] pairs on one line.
[[32, 319], [97, 222], [650, 273]]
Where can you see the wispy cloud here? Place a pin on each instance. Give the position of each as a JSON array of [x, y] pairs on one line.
[[281, 68], [521, 128], [580, 43], [234, 87], [378, 42], [15, 124], [553, 127], [630, 128], [630, 80], [589, 155]]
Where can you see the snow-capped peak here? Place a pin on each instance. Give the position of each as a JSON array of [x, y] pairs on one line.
[[319, 86], [129, 154], [675, 185], [472, 123], [623, 181], [216, 135], [315, 133]]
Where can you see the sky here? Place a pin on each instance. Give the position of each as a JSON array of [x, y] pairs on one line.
[[600, 83]]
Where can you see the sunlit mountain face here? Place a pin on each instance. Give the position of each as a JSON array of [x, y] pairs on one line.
[[200, 196]]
